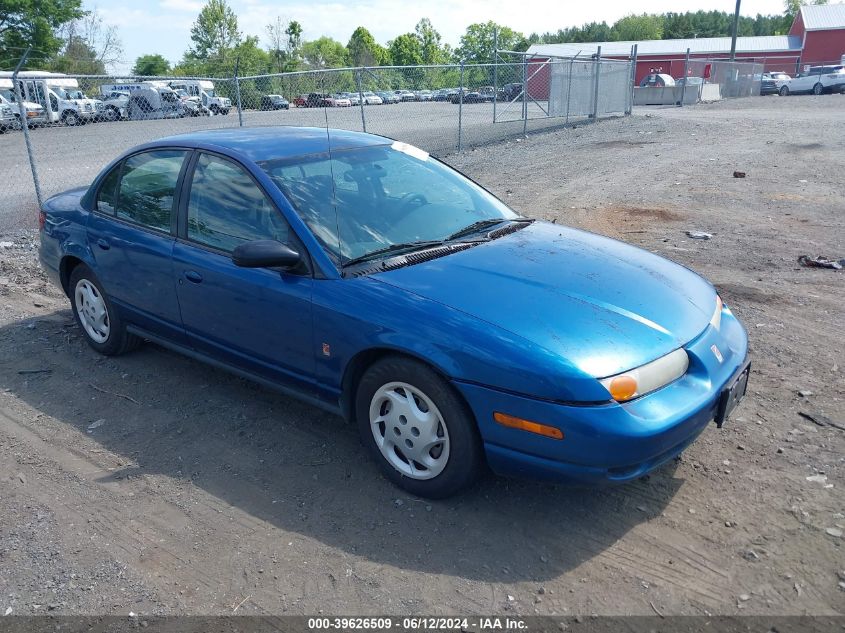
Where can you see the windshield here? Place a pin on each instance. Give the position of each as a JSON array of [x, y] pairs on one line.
[[210, 93], [7, 94], [363, 200], [60, 92], [75, 94]]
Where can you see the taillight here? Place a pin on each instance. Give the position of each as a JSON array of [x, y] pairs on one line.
[[42, 219]]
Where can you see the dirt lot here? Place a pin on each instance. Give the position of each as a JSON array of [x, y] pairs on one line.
[[153, 484]]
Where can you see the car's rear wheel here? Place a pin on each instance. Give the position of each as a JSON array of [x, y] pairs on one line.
[[417, 428], [784, 91], [818, 89], [102, 326]]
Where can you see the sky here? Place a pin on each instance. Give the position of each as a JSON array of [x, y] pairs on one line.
[[163, 26]]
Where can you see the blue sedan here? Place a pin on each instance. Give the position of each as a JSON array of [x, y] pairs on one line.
[[368, 278]]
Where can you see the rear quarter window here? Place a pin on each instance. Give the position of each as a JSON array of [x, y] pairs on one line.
[[107, 193]]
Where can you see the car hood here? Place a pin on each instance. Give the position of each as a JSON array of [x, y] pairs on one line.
[[601, 304]]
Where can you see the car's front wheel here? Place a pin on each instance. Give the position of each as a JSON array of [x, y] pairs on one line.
[[102, 326], [418, 429], [784, 91]]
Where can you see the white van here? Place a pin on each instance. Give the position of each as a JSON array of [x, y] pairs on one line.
[[59, 95], [34, 112], [204, 89]]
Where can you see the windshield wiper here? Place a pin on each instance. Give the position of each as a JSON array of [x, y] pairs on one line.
[[484, 224], [393, 248]]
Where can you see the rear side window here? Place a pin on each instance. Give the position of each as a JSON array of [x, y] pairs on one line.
[[148, 188], [226, 208], [107, 194]]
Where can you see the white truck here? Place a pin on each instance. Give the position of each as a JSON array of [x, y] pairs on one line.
[[8, 103], [59, 95], [204, 89]]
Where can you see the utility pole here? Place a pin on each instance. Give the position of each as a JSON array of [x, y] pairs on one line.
[[733, 31]]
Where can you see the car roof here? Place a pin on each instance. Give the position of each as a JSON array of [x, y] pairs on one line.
[[268, 143]]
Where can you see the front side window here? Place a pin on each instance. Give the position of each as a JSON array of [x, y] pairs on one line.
[[148, 188], [227, 208], [363, 200]]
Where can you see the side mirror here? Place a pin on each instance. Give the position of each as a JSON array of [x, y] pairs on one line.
[[265, 254]]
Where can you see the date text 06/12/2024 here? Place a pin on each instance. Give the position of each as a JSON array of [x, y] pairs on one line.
[[416, 624]]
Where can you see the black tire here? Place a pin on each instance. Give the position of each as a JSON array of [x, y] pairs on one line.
[[70, 118], [119, 341], [214, 109], [784, 91], [818, 89], [465, 462]]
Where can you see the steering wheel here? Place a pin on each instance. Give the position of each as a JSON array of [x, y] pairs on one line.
[[412, 198]]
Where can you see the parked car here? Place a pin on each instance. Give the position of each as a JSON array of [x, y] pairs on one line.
[[115, 106], [471, 96], [192, 104], [154, 102], [8, 120], [382, 285], [371, 98], [440, 95], [301, 101], [657, 80], [770, 83], [341, 101], [816, 80], [388, 97], [318, 100], [35, 114], [274, 102], [511, 92], [405, 95], [422, 95]]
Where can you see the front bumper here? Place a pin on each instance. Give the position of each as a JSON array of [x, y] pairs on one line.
[[611, 442]]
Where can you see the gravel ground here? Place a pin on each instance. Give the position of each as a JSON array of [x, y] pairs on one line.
[[153, 484]]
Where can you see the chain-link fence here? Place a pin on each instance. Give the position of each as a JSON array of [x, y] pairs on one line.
[[77, 124], [685, 82]]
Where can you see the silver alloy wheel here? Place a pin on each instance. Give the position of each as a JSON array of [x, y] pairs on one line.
[[409, 430], [92, 311]]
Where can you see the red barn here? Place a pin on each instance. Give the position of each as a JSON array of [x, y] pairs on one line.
[[817, 36], [822, 32]]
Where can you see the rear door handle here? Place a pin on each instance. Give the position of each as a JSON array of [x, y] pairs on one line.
[[103, 244], [193, 276]]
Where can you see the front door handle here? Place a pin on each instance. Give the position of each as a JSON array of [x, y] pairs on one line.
[[193, 276], [103, 244]]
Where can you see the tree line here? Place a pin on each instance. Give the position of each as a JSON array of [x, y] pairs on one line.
[[66, 38]]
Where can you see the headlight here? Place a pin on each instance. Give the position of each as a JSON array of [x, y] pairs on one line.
[[716, 321], [648, 377]]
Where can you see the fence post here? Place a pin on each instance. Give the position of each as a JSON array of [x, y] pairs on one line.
[[524, 95], [569, 90], [461, 108], [25, 128], [596, 88], [238, 93], [686, 80], [633, 79], [495, 70], [361, 99]]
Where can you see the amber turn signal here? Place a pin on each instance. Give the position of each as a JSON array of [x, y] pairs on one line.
[[623, 387], [527, 425]]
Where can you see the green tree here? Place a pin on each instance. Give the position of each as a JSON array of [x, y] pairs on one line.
[[429, 37], [324, 52], [151, 66], [638, 27], [77, 58], [364, 50], [406, 50], [215, 31], [477, 44], [35, 23]]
